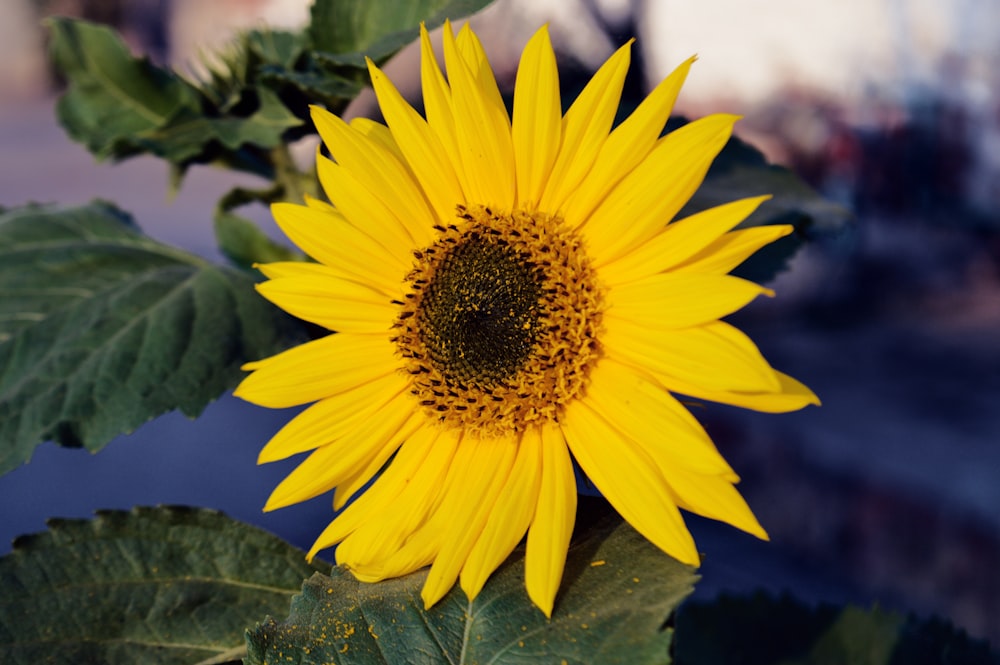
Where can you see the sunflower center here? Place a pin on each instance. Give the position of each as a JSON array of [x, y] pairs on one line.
[[500, 325], [479, 310]]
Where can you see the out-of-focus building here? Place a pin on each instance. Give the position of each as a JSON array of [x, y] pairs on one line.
[[23, 72], [198, 29]]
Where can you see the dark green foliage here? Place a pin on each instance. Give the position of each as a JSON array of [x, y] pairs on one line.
[[255, 97], [119, 105], [348, 31], [151, 586], [114, 100], [103, 329]]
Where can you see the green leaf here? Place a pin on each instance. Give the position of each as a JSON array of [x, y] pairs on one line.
[[102, 328], [316, 85], [188, 135], [617, 593], [741, 171], [349, 31], [119, 105], [113, 98], [761, 630], [858, 637], [245, 244], [278, 47], [152, 586]]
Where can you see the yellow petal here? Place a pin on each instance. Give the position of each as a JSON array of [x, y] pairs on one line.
[[630, 481], [537, 118], [333, 302], [482, 129], [380, 134], [552, 525], [303, 269], [510, 516], [381, 496], [350, 485], [333, 417], [715, 498], [791, 396], [701, 481], [422, 147], [326, 467], [437, 104], [333, 241], [585, 128], [479, 471], [649, 197], [627, 145], [474, 55], [733, 249], [671, 300], [317, 369], [679, 241], [364, 209], [466, 44], [426, 540], [416, 489], [317, 204], [715, 355], [380, 172], [649, 415]]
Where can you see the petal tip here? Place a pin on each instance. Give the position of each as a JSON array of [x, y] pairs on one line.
[[319, 114], [544, 606]]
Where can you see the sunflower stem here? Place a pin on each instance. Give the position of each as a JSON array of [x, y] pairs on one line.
[[295, 184]]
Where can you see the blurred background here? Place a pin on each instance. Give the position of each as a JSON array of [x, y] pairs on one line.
[[888, 494]]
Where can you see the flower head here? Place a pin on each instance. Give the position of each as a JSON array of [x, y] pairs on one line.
[[509, 295]]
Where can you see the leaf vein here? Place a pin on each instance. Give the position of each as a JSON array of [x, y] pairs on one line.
[[430, 631]]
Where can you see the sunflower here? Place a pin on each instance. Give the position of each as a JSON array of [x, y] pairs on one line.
[[509, 295]]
